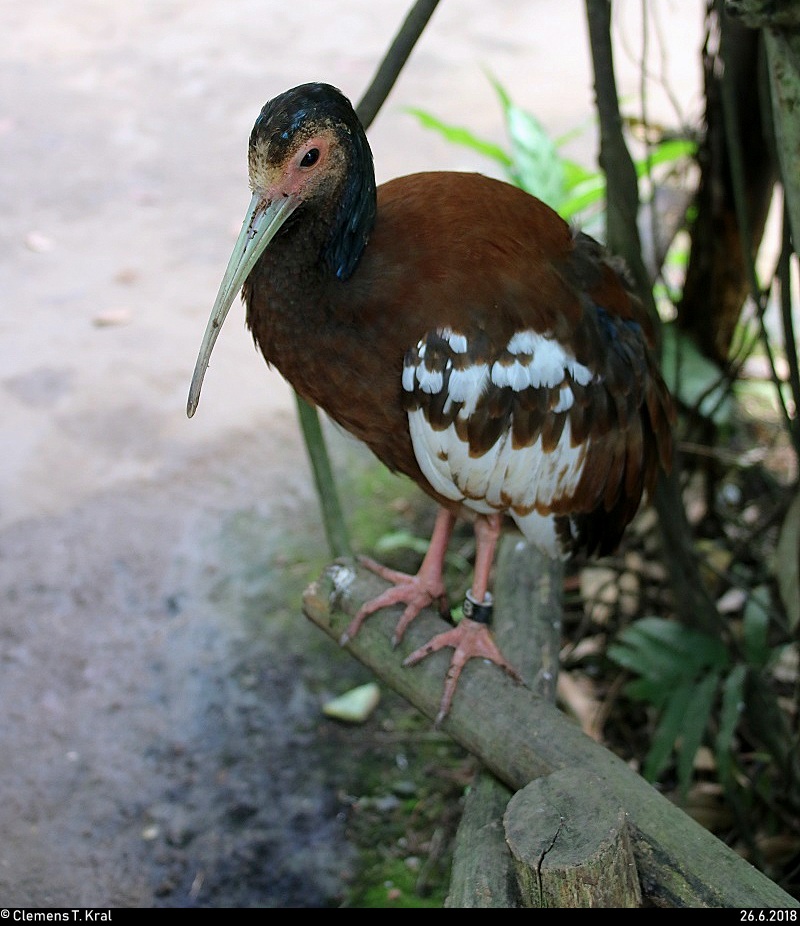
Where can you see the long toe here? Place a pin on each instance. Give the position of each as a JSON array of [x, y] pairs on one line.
[[469, 640], [415, 592]]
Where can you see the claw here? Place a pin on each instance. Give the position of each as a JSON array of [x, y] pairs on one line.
[[416, 592], [470, 640]]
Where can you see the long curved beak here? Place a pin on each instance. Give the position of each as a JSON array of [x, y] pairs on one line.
[[261, 224]]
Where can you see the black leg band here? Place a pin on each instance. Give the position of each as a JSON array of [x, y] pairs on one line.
[[481, 613]]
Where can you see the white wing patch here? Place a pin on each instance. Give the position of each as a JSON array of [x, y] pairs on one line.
[[522, 480], [457, 342], [467, 386], [543, 362]]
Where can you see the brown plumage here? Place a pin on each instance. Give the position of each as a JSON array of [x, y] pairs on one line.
[[459, 328]]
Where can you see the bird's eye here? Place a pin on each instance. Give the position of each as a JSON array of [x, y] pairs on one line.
[[310, 158]]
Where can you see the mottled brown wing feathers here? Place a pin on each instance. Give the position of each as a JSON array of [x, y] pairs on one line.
[[623, 411]]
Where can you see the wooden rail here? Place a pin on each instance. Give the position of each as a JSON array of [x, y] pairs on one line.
[[555, 773]]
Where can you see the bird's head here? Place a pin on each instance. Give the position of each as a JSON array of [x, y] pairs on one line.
[[308, 153], [308, 146]]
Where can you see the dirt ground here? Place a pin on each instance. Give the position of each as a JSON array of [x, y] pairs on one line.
[[162, 739]]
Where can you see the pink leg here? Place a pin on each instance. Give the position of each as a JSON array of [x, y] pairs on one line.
[[487, 533], [416, 592], [470, 639]]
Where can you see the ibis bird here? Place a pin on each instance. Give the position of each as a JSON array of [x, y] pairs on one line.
[[464, 332]]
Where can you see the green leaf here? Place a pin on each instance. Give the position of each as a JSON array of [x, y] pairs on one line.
[[666, 152], [787, 564], [665, 656], [401, 540], [730, 712], [500, 90], [651, 662], [649, 690], [457, 135], [694, 647], [590, 193], [755, 627], [695, 722], [537, 166], [576, 174], [572, 134], [666, 733], [405, 540]]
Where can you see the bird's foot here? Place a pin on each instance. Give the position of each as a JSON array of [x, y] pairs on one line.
[[416, 592], [470, 640]]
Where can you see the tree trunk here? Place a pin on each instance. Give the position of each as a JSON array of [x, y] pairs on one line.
[[717, 282]]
